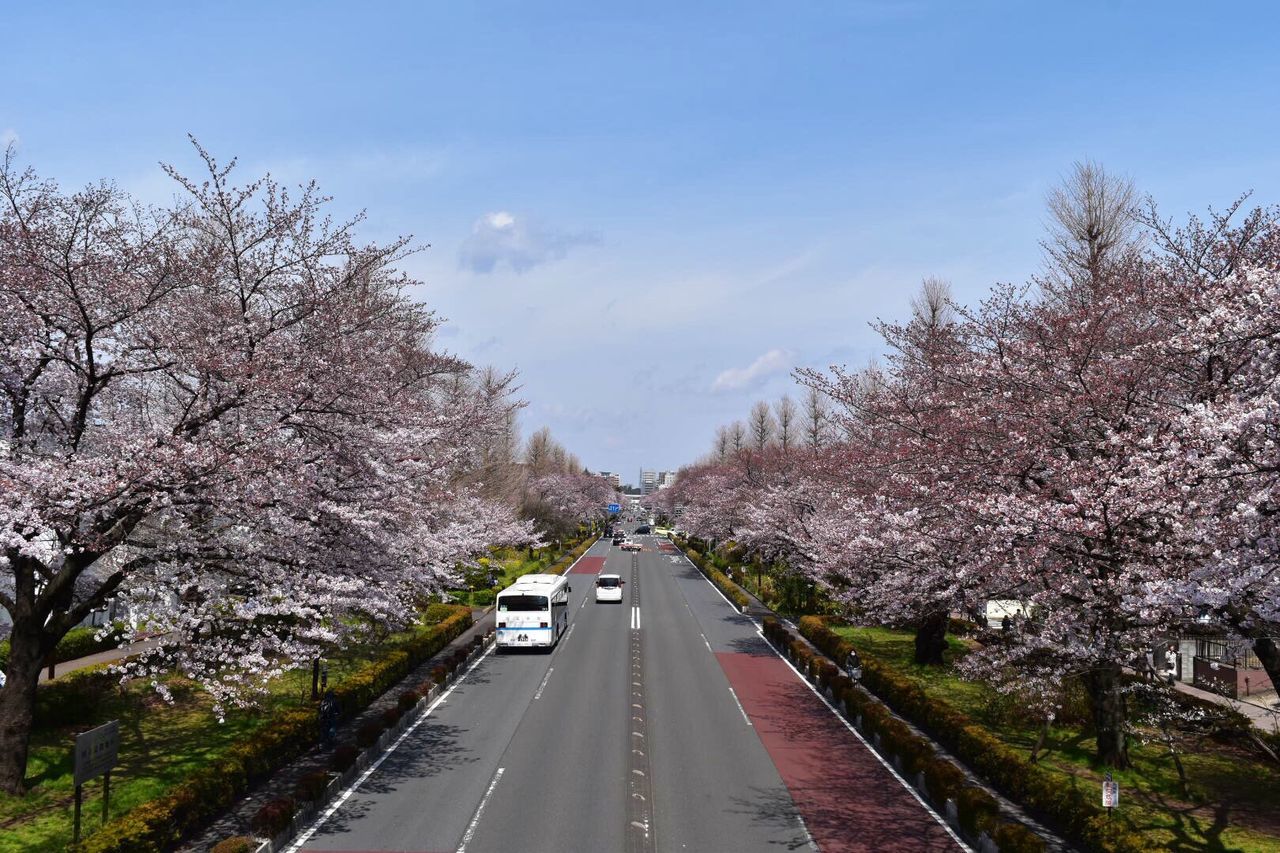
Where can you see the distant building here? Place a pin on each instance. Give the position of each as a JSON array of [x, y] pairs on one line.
[[666, 478], [648, 482], [612, 477]]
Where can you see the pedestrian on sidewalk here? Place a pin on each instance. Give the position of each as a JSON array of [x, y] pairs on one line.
[[328, 719]]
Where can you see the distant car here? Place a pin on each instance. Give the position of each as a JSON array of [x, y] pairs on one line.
[[609, 588], [632, 546], [619, 539], [642, 529]]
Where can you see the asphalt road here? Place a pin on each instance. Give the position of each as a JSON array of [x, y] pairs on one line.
[[665, 723]]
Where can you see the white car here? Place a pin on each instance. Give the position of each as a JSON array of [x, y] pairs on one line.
[[609, 588], [632, 546]]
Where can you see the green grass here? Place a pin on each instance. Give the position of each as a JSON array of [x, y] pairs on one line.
[[160, 744], [1235, 797]]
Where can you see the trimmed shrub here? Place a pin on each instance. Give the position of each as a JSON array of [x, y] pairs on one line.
[[75, 698], [344, 756], [944, 781], [439, 673], [391, 716], [437, 613], [274, 817], [311, 786], [978, 810], [369, 732], [1016, 838], [483, 597], [238, 844], [407, 701]]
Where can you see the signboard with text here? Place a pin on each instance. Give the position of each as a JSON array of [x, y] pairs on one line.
[[614, 509], [96, 751], [1110, 794]]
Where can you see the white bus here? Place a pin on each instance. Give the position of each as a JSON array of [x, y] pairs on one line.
[[533, 612]]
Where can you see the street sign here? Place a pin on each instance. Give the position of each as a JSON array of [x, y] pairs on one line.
[[614, 509], [96, 751], [1110, 794]]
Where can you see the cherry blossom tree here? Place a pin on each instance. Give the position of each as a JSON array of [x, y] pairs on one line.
[[560, 501], [226, 415]]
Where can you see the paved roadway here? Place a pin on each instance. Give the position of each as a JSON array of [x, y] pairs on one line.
[[665, 723]]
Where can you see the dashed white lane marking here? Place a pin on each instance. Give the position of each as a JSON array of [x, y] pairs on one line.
[[741, 710], [705, 642], [543, 685], [635, 619], [475, 819]]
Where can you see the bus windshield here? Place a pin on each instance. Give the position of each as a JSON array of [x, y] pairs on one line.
[[519, 603]]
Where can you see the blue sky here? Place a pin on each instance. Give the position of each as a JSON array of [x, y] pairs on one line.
[[628, 204]]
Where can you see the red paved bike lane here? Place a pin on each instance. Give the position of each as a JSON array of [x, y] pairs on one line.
[[849, 801], [587, 566]]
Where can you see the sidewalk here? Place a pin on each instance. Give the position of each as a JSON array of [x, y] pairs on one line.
[[281, 784], [109, 656], [1261, 709]]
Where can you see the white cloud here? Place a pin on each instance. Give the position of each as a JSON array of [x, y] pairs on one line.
[[8, 137], [774, 361], [500, 237]]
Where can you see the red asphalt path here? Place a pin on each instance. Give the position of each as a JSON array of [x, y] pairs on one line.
[[587, 566], [848, 799]]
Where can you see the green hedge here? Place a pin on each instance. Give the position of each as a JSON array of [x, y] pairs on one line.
[[562, 565], [157, 825], [1043, 793], [731, 590], [77, 643]]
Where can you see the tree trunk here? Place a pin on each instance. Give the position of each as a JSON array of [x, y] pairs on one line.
[[1107, 704], [1268, 652], [17, 706], [931, 638]]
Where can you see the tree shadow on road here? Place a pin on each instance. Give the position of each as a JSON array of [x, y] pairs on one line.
[[773, 807]]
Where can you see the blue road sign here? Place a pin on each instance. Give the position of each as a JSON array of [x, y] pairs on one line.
[[614, 509]]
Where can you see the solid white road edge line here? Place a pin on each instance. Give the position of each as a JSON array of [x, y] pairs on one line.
[[337, 804], [813, 845], [741, 710], [475, 819], [887, 766]]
